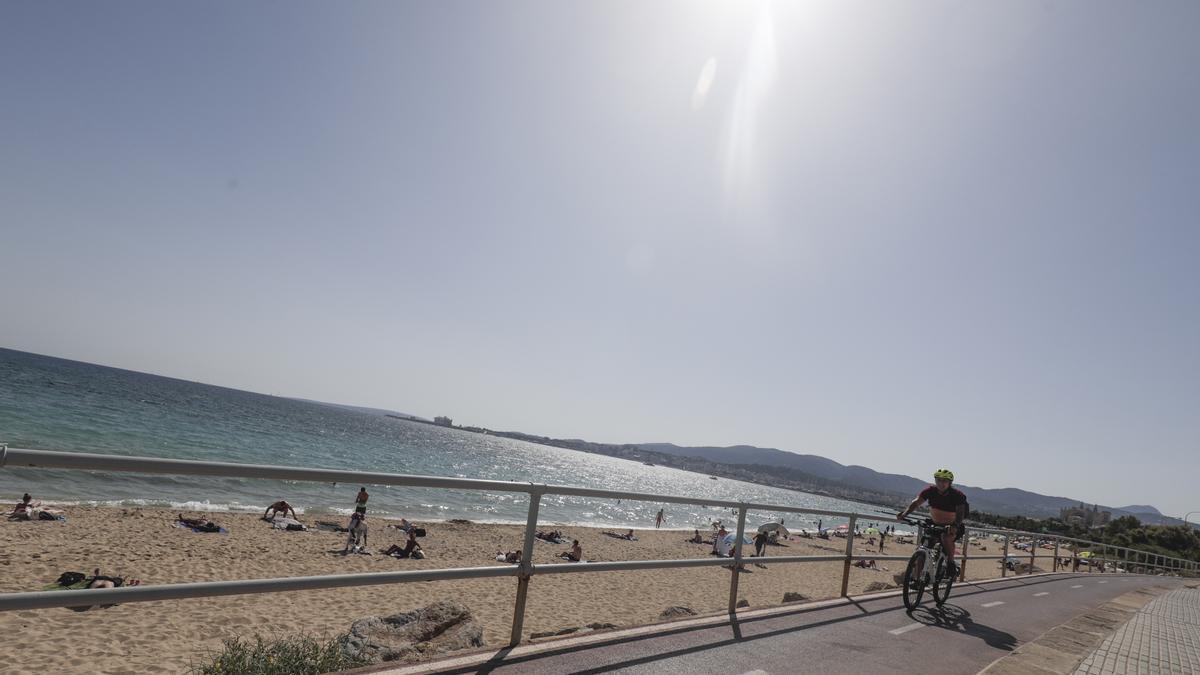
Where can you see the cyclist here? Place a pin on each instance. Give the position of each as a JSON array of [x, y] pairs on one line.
[[948, 506]]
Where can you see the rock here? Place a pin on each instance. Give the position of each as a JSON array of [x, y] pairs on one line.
[[876, 586], [743, 603], [676, 612], [410, 636], [601, 626], [794, 597], [898, 578], [460, 521]]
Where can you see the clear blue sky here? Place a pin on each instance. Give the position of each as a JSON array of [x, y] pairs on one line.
[[903, 235]]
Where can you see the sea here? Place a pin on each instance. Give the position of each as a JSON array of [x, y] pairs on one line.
[[56, 404]]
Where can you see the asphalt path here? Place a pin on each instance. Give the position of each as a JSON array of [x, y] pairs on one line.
[[977, 625]]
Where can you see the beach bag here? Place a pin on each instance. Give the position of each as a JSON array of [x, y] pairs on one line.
[[70, 578], [419, 531]]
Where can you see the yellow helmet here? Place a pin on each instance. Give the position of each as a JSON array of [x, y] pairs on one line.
[[944, 473]]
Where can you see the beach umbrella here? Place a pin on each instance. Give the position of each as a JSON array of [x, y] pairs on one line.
[[871, 530], [842, 528], [732, 537], [772, 527]]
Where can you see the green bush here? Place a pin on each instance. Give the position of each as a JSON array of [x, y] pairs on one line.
[[303, 655]]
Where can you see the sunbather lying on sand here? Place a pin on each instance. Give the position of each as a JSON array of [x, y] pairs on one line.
[[510, 557], [198, 524], [628, 536]]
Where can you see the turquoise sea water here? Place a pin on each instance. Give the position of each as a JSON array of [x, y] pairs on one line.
[[55, 404]]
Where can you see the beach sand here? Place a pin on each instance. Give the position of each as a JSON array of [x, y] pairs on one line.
[[171, 636]]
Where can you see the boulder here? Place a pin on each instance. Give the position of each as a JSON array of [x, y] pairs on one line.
[[876, 586], [743, 603], [676, 612], [411, 636], [794, 597]]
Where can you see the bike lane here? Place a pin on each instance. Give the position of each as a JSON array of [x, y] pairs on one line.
[[980, 623]]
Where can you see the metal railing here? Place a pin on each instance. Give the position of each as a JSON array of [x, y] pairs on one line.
[[17, 457]]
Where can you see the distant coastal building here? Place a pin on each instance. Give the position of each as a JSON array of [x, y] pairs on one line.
[[443, 421], [1081, 515]]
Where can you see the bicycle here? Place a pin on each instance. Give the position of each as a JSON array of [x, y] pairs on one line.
[[930, 559]]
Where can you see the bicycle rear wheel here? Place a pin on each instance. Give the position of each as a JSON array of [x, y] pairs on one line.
[[914, 584], [942, 582]]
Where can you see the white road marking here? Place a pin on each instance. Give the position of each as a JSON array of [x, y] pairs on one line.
[[755, 672], [1042, 593], [1077, 586], [1102, 582], [905, 629], [993, 604]]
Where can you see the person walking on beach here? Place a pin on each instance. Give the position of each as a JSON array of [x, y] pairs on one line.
[[760, 544], [882, 537], [277, 508], [360, 502], [658, 520]]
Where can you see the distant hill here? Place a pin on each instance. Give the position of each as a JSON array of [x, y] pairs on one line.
[[1141, 508], [369, 411], [1001, 501]]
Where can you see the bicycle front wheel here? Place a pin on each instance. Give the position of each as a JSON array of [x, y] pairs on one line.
[[942, 583], [914, 580]]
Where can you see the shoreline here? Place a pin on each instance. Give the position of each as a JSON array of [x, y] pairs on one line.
[[331, 512]]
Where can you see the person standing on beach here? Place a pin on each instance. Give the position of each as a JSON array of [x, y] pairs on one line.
[[658, 520], [360, 502], [357, 541]]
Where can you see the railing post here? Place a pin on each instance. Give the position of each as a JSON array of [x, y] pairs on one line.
[[1032, 553], [535, 500], [962, 569], [850, 552], [1056, 543], [1004, 561], [737, 559]]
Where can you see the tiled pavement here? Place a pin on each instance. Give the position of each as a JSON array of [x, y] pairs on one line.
[[1163, 637]]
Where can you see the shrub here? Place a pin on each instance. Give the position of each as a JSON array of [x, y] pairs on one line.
[[302, 655]]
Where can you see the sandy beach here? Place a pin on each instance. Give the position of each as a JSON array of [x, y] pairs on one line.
[[171, 636]]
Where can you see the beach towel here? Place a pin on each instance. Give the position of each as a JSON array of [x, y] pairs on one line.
[[285, 523], [614, 535]]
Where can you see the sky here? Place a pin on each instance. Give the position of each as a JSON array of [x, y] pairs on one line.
[[903, 235]]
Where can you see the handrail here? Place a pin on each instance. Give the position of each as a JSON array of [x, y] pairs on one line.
[[25, 458]]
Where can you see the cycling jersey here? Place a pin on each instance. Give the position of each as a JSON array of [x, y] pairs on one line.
[[943, 502]]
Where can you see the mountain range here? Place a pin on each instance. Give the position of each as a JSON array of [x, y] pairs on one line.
[[1000, 501]]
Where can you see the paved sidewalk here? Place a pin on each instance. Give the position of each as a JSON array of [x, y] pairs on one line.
[[1163, 637]]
